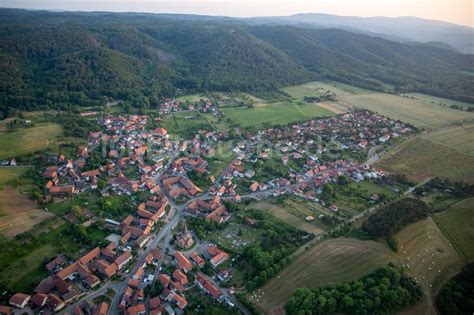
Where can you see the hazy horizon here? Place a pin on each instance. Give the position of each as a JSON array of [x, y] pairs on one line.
[[452, 11]]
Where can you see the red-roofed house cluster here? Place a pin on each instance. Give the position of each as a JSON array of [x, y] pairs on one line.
[[69, 281]]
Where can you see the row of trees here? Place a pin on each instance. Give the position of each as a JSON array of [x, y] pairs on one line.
[[383, 291], [392, 218], [457, 296]]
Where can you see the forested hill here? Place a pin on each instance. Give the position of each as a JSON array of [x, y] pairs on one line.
[[51, 59]]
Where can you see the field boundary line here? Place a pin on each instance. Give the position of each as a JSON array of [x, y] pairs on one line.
[[448, 236]]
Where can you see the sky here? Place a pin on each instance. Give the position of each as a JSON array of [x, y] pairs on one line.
[[455, 11]]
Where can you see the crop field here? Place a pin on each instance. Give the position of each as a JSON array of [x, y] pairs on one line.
[[439, 100], [458, 224], [275, 114], [27, 140], [331, 261], [460, 138], [18, 214], [420, 158], [413, 111], [338, 107], [294, 213], [428, 257]]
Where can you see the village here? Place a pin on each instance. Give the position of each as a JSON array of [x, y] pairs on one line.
[[172, 180]]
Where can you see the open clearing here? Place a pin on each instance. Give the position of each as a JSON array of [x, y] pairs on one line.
[[316, 88], [26, 140], [458, 224], [294, 213], [331, 261], [429, 258], [421, 158], [18, 214], [185, 124], [192, 98], [275, 114], [460, 138]]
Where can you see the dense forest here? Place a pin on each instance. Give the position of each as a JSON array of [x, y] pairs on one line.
[[53, 59], [383, 291], [392, 218], [457, 296]]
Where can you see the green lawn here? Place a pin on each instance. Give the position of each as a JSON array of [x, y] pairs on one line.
[[26, 140], [458, 224], [275, 114]]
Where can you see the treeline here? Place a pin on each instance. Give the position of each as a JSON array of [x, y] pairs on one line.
[[268, 256], [456, 189], [457, 296], [392, 218], [384, 291], [59, 60]]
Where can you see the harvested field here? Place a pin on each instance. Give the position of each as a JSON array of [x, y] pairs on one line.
[[416, 112], [330, 261], [420, 158], [458, 224], [461, 138], [429, 258], [18, 214]]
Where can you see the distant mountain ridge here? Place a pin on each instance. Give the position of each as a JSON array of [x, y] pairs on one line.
[[59, 59], [395, 28]]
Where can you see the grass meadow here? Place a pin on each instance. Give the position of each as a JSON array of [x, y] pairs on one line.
[[26, 140], [275, 114]]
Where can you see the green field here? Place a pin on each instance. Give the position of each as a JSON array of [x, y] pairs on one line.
[[460, 138], [26, 140], [185, 124], [22, 270], [419, 159], [275, 114], [315, 88], [330, 261], [354, 198], [439, 100], [294, 213], [7, 174], [192, 98], [458, 224]]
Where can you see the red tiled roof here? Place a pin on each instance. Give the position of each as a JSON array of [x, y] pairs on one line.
[[19, 299], [183, 263], [101, 309]]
